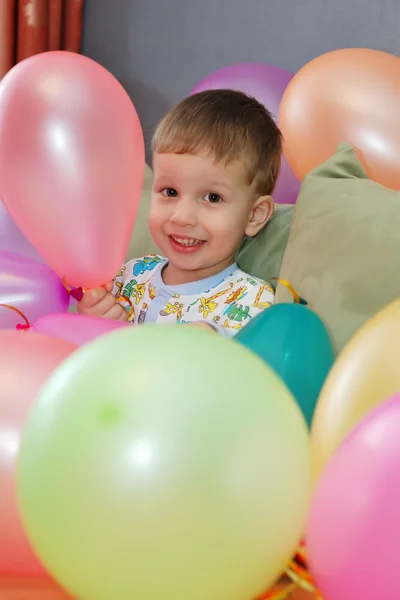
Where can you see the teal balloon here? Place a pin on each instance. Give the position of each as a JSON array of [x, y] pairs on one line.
[[294, 341]]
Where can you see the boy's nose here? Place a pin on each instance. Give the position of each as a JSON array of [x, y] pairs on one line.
[[184, 213]]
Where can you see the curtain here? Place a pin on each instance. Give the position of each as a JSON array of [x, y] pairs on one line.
[[28, 27]]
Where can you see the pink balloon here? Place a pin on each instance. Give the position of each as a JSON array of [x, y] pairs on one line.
[[353, 534], [267, 84], [11, 238], [71, 163], [25, 363], [29, 286], [75, 328]]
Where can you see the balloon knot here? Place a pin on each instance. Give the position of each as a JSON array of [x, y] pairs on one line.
[[21, 327], [76, 293]]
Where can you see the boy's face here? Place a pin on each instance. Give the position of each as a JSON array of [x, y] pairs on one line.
[[200, 211]]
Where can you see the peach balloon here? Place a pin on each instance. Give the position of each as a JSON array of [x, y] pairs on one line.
[[26, 360], [71, 163], [349, 95]]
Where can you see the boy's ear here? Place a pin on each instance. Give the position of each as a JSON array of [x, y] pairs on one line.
[[261, 213]]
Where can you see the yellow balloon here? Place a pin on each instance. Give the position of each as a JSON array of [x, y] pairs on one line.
[[366, 373]]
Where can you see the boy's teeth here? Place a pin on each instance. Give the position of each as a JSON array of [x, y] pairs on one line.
[[186, 242]]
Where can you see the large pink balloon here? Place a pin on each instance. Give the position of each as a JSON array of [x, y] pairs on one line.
[[29, 286], [75, 328], [71, 163], [11, 238], [26, 360], [267, 84], [354, 527]]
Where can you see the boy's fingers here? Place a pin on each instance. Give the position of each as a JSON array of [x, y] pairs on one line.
[[124, 315], [92, 297], [101, 308], [116, 313], [109, 286]]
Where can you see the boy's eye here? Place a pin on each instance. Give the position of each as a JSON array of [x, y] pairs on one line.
[[213, 198], [169, 192]]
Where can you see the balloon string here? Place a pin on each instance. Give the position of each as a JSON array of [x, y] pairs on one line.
[[279, 594], [19, 326], [303, 580], [121, 299], [296, 296], [76, 293], [299, 576], [296, 583]]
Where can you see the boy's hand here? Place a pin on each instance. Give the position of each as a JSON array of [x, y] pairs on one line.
[[99, 302]]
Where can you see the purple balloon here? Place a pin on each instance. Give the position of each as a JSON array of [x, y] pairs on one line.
[[75, 328], [30, 287], [12, 240], [267, 84]]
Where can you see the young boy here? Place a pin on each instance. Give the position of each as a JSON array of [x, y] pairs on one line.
[[216, 159]]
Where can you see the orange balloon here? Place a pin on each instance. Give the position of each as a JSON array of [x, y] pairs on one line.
[[349, 95]]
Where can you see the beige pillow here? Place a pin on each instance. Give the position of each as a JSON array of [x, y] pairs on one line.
[[344, 246]]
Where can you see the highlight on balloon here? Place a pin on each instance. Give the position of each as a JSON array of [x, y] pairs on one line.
[[189, 408]]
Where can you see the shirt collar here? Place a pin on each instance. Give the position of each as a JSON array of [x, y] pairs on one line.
[[194, 287]]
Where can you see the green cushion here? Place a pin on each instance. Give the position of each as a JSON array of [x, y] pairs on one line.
[[343, 251]]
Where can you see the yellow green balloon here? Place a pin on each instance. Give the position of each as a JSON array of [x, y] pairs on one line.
[[164, 462]]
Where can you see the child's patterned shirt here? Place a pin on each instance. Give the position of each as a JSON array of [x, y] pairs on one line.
[[227, 300]]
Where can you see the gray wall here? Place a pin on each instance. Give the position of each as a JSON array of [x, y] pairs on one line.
[[159, 49]]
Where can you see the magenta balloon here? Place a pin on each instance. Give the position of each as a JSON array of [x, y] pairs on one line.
[[13, 240], [75, 328], [353, 537], [267, 84], [29, 286]]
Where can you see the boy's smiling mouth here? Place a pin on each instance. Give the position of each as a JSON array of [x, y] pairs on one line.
[[186, 241], [185, 244]]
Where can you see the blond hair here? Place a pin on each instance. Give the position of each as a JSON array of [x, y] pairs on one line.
[[227, 125]]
